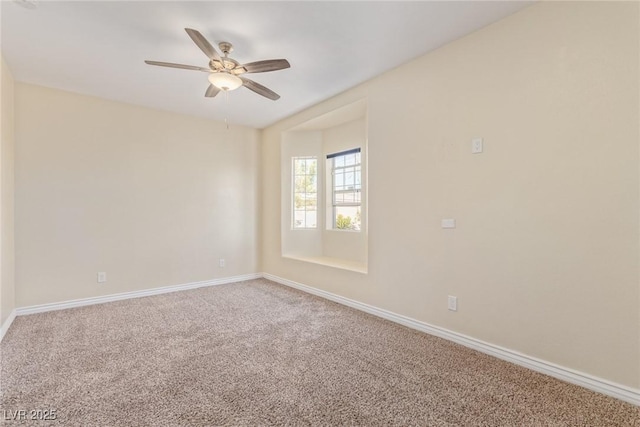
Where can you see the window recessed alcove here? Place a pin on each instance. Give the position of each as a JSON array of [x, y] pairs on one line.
[[324, 189]]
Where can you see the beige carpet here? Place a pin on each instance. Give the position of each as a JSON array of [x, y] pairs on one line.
[[257, 353]]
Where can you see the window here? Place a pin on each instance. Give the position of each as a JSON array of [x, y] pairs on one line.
[[346, 189], [305, 192]]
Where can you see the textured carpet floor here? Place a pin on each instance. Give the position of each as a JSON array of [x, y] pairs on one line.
[[257, 353]]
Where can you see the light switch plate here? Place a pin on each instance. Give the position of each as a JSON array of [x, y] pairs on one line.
[[448, 223]]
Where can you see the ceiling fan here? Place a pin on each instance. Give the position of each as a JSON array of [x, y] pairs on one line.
[[225, 73]]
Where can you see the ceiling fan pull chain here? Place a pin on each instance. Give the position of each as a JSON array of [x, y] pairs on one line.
[[226, 107]]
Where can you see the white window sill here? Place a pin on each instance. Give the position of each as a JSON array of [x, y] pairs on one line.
[[343, 264], [338, 230]]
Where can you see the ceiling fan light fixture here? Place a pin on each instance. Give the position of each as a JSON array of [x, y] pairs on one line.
[[225, 81]]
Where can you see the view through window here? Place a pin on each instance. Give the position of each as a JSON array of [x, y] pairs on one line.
[[346, 189], [305, 192]]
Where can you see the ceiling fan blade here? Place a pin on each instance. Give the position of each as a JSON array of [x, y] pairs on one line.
[[267, 65], [203, 44], [211, 91], [259, 89], [172, 65]]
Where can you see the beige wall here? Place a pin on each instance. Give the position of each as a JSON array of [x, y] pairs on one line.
[[149, 197], [7, 284], [544, 259]]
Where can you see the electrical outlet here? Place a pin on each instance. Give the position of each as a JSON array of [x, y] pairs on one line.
[[452, 303], [102, 277], [476, 145], [222, 263]]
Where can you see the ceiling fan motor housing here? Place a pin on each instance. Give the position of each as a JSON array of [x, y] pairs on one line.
[[229, 64]]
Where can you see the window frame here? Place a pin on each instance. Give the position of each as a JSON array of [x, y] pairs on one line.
[[356, 167], [305, 193]]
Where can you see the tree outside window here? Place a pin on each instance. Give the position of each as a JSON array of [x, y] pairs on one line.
[[346, 187], [305, 192]]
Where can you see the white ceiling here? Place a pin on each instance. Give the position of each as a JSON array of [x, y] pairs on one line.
[[98, 47]]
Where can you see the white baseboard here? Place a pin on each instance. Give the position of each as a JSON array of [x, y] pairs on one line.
[[590, 382], [7, 323], [599, 385], [128, 295]]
